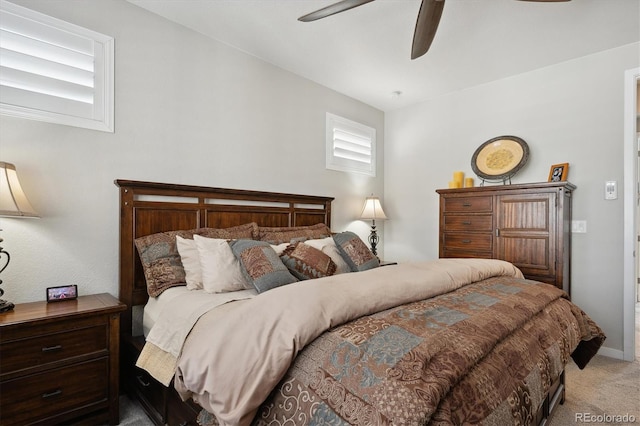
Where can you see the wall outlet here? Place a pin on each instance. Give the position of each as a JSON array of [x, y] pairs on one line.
[[610, 190], [579, 226]]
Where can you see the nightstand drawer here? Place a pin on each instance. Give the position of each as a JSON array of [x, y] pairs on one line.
[[82, 386], [468, 204], [41, 350], [479, 223]]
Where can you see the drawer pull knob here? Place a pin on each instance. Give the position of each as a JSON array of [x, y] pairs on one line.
[[466, 222], [142, 382], [466, 204], [52, 348], [466, 241], [51, 394]]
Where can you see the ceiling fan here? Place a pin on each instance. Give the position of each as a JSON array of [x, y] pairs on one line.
[[426, 24]]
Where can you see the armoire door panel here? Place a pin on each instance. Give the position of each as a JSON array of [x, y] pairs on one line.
[[531, 255], [525, 212], [526, 227]]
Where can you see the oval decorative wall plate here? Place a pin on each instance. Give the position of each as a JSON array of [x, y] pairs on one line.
[[500, 158]]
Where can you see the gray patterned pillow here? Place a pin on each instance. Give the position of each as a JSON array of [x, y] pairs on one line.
[[261, 265], [355, 252]]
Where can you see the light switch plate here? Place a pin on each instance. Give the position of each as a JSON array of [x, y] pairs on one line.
[[610, 190], [579, 226]]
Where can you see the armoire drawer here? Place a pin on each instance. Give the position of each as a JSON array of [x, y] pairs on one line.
[[468, 223], [468, 204], [468, 242], [460, 253]]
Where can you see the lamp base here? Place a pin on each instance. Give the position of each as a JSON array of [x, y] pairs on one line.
[[6, 306], [373, 240]]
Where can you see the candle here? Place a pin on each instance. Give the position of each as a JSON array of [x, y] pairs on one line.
[[455, 184], [458, 177], [468, 182]]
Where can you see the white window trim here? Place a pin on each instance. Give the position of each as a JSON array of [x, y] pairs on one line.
[[360, 131], [102, 115]]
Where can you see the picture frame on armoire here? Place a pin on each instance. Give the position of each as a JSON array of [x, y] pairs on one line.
[[559, 172]]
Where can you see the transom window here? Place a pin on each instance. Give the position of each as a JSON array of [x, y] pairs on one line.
[[54, 71], [350, 146]]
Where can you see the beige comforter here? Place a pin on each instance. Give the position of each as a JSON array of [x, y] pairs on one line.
[[237, 353]]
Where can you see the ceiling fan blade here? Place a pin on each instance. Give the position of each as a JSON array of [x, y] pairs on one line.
[[332, 9], [426, 26]]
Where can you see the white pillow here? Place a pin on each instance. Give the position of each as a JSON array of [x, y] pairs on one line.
[[190, 261], [220, 268], [328, 247], [279, 249]]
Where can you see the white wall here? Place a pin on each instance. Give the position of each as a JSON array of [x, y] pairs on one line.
[[570, 112], [188, 110]]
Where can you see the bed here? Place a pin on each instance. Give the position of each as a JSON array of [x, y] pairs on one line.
[[451, 341]]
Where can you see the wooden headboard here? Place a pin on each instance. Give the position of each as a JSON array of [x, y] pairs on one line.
[[148, 208]]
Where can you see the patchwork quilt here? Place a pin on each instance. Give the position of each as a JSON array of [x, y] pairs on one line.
[[485, 354]]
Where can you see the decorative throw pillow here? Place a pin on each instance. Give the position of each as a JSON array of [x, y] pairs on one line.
[[261, 265], [328, 247], [355, 252], [248, 231], [306, 262], [220, 270], [287, 234], [161, 260], [190, 262]]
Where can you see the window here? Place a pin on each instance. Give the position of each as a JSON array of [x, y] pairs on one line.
[[351, 146], [54, 71]]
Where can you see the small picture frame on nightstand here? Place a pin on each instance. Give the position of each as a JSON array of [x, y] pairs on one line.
[[63, 292]]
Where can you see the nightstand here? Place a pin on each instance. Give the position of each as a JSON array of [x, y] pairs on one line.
[[59, 362]]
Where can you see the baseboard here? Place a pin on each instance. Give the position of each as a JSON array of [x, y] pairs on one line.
[[611, 353]]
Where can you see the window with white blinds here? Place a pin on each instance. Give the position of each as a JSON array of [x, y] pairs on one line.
[[351, 146], [54, 71]]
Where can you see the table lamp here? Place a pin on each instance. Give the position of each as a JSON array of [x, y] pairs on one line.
[[372, 210], [13, 203]]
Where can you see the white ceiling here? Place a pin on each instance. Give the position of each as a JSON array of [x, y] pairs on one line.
[[365, 52]]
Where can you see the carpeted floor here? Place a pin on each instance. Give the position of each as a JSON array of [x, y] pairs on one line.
[[131, 414], [606, 387]]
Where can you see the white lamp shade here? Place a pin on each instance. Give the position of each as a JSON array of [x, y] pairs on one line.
[[13, 201], [372, 209]]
